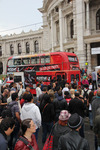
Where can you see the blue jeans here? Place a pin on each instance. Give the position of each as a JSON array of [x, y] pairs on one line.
[[46, 128]]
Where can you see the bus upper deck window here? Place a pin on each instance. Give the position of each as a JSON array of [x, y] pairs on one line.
[[35, 60], [47, 59], [10, 62], [17, 62], [25, 61]]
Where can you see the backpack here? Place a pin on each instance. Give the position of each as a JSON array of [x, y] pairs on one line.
[[7, 112]]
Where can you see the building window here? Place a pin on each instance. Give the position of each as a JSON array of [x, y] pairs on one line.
[[0, 51], [71, 29], [98, 20], [19, 48], [27, 48], [11, 49], [36, 46]]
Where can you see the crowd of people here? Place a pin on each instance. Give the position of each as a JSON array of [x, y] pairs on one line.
[[59, 107]]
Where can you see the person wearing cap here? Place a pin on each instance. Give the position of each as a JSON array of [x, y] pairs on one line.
[[60, 128], [73, 140]]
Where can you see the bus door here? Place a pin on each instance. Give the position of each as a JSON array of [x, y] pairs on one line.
[[18, 77], [30, 79], [61, 75]]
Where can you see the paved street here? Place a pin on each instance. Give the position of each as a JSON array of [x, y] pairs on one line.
[[89, 135]]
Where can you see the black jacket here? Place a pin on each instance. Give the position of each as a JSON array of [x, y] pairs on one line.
[[76, 106], [58, 131], [59, 104], [71, 140]]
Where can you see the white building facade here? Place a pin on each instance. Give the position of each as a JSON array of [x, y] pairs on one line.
[[68, 25], [20, 44], [73, 26]]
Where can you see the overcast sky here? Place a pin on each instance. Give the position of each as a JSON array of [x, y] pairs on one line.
[[18, 13]]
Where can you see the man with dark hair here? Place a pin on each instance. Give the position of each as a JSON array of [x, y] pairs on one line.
[[73, 140], [30, 110], [16, 115], [3, 98], [38, 90], [77, 106], [59, 104], [6, 128]]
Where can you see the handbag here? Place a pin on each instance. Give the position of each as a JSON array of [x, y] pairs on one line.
[[49, 143]]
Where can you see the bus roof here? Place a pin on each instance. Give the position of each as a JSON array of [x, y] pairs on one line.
[[44, 54]]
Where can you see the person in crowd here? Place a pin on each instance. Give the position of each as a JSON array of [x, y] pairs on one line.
[[94, 80], [97, 128], [77, 106], [28, 127], [23, 99], [45, 91], [7, 126], [14, 88], [65, 89], [60, 128], [73, 140], [95, 92], [54, 86], [30, 110], [9, 99], [91, 94], [96, 104], [47, 112], [98, 76], [74, 83], [72, 93], [90, 78], [38, 90], [27, 89], [16, 115], [85, 81], [67, 96], [3, 98], [59, 104]]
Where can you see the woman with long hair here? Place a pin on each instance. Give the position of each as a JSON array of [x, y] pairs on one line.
[[27, 138]]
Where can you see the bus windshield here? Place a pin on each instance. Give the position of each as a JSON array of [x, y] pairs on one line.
[[72, 59]]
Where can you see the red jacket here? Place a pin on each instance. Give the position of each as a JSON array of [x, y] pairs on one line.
[[21, 146]]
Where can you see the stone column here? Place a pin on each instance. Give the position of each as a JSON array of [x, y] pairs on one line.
[[31, 46], [23, 47], [88, 17], [61, 28], [4, 61], [65, 29], [80, 34], [52, 31], [15, 48], [89, 57]]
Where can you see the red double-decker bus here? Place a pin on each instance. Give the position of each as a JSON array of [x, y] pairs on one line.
[[44, 67]]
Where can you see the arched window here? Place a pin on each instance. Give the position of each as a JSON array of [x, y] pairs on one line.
[[71, 29], [11, 49], [36, 46], [0, 50], [19, 48], [27, 48], [98, 20]]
